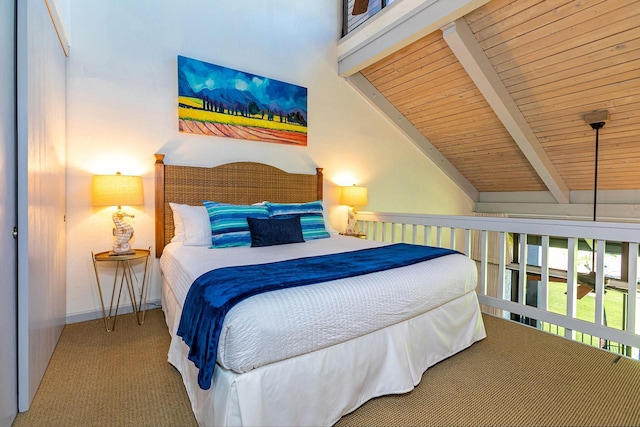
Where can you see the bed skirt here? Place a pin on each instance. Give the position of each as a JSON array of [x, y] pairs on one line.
[[320, 387]]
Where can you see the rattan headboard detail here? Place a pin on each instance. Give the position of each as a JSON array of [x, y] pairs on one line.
[[238, 183]]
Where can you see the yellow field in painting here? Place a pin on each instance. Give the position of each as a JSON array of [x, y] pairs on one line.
[[191, 102], [210, 116]]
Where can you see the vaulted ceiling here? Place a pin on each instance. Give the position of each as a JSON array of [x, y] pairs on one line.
[[496, 93]]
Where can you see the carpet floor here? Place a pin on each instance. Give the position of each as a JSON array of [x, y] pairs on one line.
[[517, 376]]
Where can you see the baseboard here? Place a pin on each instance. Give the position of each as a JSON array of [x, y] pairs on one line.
[[97, 314]]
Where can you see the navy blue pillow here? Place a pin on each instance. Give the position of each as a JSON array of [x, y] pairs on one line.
[[275, 231]]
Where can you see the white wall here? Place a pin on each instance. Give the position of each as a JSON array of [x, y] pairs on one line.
[[122, 108]]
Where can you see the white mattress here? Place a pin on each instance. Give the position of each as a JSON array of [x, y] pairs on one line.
[[275, 326]]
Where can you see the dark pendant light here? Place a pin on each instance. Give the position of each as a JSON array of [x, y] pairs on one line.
[[596, 126], [596, 120]]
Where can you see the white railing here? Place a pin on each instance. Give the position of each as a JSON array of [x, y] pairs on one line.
[[469, 234]]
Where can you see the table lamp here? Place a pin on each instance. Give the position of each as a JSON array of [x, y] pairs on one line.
[[118, 190], [353, 196]]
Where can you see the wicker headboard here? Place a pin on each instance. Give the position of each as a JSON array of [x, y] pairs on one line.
[[237, 183]]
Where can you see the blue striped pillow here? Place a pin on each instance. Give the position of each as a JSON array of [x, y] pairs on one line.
[[311, 218], [229, 226]]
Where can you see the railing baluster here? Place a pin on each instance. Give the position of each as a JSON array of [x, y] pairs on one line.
[[452, 238], [484, 255], [632, 293], [522, 277], [572, 282], [427, 235], [439, 236], [502, 254], [543, 294], [414, 231], [467, 242], [599, 268]]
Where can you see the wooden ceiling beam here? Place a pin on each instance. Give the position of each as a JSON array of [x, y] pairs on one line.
[[465, 47]]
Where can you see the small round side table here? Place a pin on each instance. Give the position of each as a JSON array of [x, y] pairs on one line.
[[124, 275]]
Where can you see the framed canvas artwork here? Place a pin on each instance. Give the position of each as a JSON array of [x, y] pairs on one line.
[[219, 101]]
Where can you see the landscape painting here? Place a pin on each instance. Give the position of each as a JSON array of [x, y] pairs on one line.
[[220, 101]]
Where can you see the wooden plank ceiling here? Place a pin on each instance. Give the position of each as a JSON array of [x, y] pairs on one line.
[[558, 60]]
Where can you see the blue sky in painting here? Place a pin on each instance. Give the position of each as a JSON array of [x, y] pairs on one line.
[[200, 75]]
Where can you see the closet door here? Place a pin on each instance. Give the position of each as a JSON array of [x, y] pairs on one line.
[[8, 245], [41, 193]]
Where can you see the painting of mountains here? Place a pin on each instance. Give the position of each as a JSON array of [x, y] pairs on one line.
[[220, 101]]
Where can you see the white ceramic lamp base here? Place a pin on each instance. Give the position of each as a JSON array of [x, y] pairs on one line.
[[123, 232]]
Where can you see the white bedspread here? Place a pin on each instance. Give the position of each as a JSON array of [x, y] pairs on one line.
[[271, 327]]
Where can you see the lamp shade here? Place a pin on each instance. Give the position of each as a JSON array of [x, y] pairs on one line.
[[354, 196], [117, 190]]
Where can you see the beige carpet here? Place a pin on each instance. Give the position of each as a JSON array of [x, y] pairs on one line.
[[119, 378], [516, 377]]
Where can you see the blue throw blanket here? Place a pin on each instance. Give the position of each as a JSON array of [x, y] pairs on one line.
[[214, 293]]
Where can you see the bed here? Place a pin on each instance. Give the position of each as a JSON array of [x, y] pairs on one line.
[[304, 355]]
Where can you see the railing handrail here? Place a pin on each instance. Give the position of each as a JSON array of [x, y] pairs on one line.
[[598, 230]]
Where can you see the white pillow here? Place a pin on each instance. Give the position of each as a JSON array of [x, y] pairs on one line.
[[178, 224], [197, 226], [327, 222]]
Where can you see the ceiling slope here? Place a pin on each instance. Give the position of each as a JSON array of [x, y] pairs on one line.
[[500, 93]]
